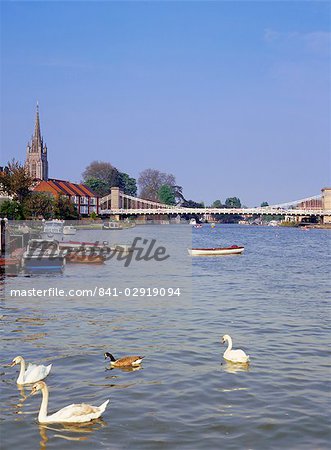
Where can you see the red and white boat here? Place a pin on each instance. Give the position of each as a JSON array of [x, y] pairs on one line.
[[85, 252], [219, 251]]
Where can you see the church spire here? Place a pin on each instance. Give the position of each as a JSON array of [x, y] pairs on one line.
[[37, 132], [36, 153]]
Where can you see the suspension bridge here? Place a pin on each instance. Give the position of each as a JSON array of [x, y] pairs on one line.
[[121, 205]]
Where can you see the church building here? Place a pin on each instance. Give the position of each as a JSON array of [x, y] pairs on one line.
[[36, 154], [85, 200]]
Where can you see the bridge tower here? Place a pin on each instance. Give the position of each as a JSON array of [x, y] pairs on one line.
[[326, 203]]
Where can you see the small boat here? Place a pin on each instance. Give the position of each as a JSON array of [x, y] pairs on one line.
[[11, 264], [220, 251], [85, 252], [53, 227], [193, 222], [69, 230], [87, 257], [43, 256], [112, 226]]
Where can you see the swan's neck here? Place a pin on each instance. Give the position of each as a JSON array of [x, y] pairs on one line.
[[229, 345], [20, 378], [44, 403]]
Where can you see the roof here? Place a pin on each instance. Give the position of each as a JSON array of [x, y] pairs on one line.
[[62, 187]]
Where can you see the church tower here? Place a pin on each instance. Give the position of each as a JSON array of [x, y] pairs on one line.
[[36, 154]]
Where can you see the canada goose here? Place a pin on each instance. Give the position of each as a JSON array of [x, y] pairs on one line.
[[126, 361]]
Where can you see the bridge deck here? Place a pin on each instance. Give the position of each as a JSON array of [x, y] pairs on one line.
[[225, 211]]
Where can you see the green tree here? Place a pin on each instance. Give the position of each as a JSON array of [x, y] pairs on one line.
[[150, 181], [15, 181], [11, 209], [100, 187], [128, 184], [93, 215], [178, 192], [166, 195], [103, 171], [233, 202], [192, 204], [217, 204], [64, 208], [263, 204], [39, 204]]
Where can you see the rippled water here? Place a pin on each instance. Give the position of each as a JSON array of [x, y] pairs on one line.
[[273, 301]]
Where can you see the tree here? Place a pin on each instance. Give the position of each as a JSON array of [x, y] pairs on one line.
[[15, 181], [233, 202], [100, 187], [103, 171], [128, 184], [150, 181], [64, 208], [38, 204], [11, 209], [192, 204], [217, 204], [166, 195], [263, 204], [101, 176], [178, 192]]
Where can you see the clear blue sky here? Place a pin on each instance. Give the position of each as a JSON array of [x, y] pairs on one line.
[[233, 98]]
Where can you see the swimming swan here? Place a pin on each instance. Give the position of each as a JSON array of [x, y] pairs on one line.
[[235, 356], [33, 372], [126, 361], [75, 413]]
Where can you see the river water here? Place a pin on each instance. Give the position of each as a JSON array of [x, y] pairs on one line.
[[274, 302]]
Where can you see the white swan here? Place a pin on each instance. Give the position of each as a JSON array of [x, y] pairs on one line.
[[235, 356], [33, 372], [75, 413]]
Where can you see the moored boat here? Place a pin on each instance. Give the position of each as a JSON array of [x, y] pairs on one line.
[[93, 257], [69, 230], [43, 256], [11, 264], [53, 227], [112, 226], [85, 252], [219, 251]]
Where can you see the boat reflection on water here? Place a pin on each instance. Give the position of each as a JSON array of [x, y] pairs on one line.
[[230, 367], [69, 432]]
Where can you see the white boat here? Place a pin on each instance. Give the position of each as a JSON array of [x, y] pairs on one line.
[[220, 251], [69, 230], [43, 256], [53, 227], [112, 226], [193, 222]]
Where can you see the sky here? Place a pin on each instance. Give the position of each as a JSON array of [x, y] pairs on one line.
[[233, 98]]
